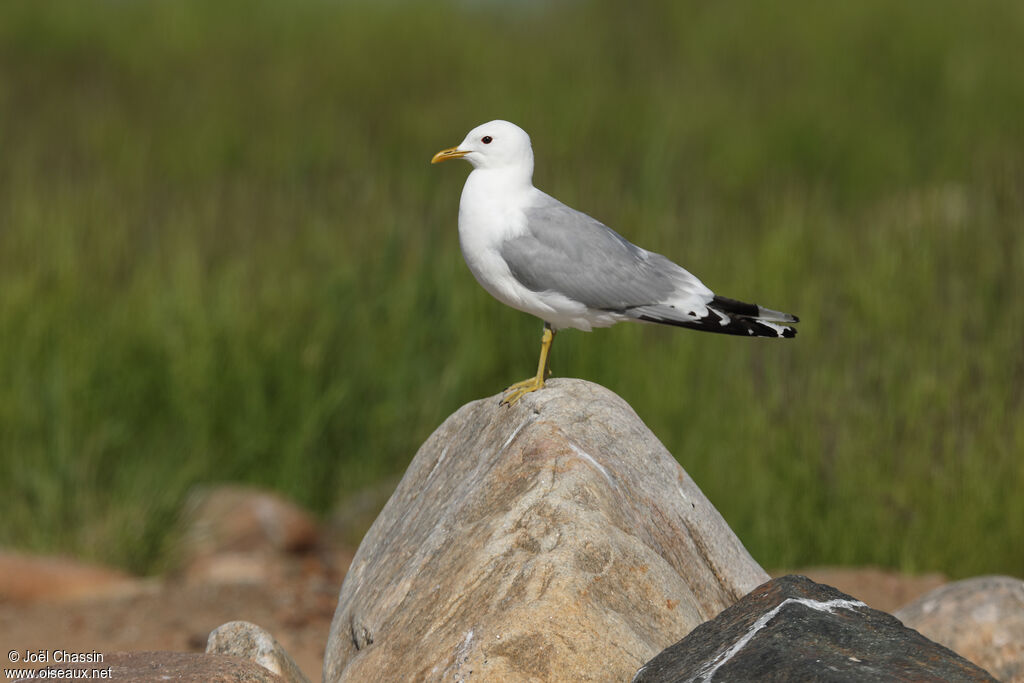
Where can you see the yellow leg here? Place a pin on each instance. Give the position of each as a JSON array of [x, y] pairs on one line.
[[520, 389]]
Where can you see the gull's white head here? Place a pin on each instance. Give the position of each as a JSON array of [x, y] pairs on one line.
[[493, 145]]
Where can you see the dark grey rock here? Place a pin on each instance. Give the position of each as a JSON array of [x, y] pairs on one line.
[[792, 629]]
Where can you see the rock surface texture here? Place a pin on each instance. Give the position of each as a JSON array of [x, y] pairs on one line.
[[792, 629], [553, 540], [980, 618], [157, 667]]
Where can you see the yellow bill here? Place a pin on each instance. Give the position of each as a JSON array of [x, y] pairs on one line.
[[446, 154]]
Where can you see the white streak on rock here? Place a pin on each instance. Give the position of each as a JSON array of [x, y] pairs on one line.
[[588, 457], [461, 654], [514, 433], [444, 452], [830, 606], [638, 672]]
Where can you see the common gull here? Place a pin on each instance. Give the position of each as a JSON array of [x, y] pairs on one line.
[[537, 255]]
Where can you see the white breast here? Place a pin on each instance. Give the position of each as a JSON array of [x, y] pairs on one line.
[[491, 212]]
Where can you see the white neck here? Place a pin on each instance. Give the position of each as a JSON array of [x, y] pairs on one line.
[[505, 178], [491, 208], [496, 188]]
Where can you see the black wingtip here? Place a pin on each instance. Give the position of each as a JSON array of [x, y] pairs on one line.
[[743, 327], [735, 306]]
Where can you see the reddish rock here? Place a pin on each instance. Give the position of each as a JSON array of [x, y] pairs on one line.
[[242, 519], [27, 578], [242, 535]]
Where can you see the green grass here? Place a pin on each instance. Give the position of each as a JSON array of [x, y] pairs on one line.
[[224, 255]]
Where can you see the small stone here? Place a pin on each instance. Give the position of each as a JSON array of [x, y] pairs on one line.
[[981, 619], [249, 641]]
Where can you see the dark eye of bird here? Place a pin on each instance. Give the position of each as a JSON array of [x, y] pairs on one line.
[[486, 139]]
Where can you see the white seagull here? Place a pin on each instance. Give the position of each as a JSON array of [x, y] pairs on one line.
[[537, 255]]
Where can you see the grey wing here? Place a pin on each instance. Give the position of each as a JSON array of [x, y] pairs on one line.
[[568, 252]]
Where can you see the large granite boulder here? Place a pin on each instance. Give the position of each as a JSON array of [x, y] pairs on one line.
[[980, 618], [555, 539], [792, 629]]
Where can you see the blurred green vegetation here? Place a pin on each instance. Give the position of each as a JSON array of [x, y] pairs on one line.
[[225, 256]]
